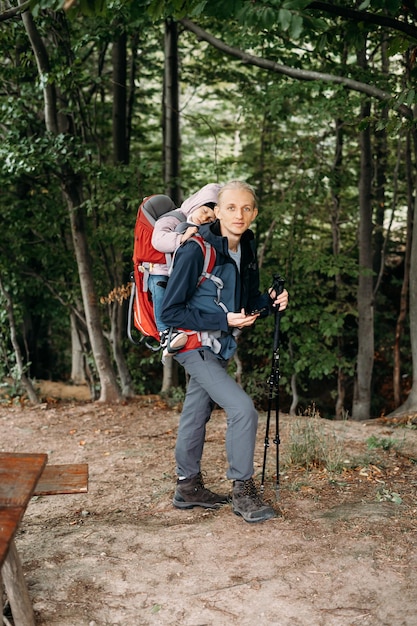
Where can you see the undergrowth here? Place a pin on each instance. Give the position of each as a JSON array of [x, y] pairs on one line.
[[311, 447]]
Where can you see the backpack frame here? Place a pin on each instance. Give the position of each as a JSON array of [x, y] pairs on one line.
[[140, 311]]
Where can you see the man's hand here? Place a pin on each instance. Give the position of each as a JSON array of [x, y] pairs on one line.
[[239, 320], [281, 301]]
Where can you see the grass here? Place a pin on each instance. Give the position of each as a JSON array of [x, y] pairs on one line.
[[384, 443], [310, 447]]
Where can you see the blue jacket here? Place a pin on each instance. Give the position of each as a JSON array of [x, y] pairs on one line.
[[193, 307]]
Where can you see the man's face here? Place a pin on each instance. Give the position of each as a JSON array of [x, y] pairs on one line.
[[236, 211], [202, 215]]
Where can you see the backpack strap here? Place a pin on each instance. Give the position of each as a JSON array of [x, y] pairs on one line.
[[209, 254]]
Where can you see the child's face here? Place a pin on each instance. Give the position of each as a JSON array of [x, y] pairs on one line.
[[203, 215]]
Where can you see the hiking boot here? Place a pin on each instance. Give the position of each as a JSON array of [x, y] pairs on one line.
[[191, 492], [247, 502], [172, 340]]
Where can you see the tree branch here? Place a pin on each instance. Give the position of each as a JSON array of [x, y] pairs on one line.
[[14, 12], [363, 16], [42, 61], [298, 74]]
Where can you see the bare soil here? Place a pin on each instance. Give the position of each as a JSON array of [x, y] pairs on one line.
[[341, 553]]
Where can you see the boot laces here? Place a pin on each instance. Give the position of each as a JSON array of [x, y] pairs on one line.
[[199, 482], [250, 490], [209, 496], [199, 485]]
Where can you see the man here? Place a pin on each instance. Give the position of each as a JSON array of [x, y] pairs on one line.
[[220, 306]]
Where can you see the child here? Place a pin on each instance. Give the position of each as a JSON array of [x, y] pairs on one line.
[[169, 233]]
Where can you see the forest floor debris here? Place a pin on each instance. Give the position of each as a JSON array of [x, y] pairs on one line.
[[342, 553]]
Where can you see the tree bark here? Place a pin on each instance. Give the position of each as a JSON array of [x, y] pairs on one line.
[[24, 380], [381, 159], [171, 117], [109, 390], [119, 115], [362, 393], [402, 315], [117, 319], [78, 376], [410, 405], [121, 155], [171, 149], [335, 227]]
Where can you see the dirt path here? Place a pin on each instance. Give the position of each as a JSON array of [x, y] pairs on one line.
[[343, 553]]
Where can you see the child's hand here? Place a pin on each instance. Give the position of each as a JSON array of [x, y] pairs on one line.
[[191, 230]]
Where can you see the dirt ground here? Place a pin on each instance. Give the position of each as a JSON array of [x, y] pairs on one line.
[[342, 552]]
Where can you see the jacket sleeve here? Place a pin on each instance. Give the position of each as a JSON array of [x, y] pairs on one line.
[[181, 287], [164, 237]]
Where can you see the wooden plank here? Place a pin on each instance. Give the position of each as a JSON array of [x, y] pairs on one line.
[[9, 521], [61, 479], [16, 589], [19, 474]]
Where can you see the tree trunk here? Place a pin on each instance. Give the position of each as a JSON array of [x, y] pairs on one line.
[[402, 315], [23, 379], [410, 405], [121, 134], [78, 376], [119, 116], [109, 390], [171, 117], [362, 392], [117, 318], [335, 226], [381, 155], [294, 387], [171, 149], [170, 375], [72, 191]]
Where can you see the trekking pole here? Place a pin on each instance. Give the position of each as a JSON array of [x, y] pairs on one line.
[[278, 287]]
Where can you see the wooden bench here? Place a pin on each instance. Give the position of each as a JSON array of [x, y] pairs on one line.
[[61, 479], [21, 477]]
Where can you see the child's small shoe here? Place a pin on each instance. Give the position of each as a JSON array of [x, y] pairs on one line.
[[172, 340]]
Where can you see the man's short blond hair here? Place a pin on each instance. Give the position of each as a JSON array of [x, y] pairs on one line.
[[240, 185]]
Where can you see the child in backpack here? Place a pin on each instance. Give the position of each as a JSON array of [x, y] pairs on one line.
[[169, 233]]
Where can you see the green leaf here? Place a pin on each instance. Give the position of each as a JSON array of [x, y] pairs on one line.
[[397, 45], [410, 97], [284, 18], [296, 26]]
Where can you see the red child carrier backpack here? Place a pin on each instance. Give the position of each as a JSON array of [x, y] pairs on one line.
[[141, 313]]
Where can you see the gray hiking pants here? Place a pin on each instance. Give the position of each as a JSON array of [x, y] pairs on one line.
[[210, 383]]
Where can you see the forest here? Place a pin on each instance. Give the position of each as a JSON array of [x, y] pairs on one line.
[[103, 103]]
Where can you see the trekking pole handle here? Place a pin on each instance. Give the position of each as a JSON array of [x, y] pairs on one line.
[[278, 284], [278, 287]]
